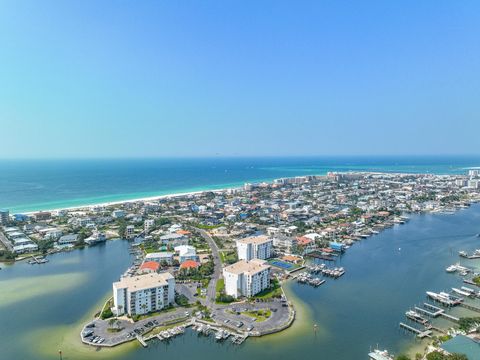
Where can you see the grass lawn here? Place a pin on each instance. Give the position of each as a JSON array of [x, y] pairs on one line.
[[220, 286], [149, 315], [258, 315], [228, 257], [274, 291]]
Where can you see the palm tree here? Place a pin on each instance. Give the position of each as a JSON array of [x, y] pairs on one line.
[[112, 322]]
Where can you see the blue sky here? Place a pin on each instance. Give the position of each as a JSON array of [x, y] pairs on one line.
[[231, 78]]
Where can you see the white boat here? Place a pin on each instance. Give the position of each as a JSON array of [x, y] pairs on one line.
[[380, 355], [466, 289], [460, 292], [451, 269]]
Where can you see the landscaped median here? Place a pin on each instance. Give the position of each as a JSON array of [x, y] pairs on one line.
[[258, 315]]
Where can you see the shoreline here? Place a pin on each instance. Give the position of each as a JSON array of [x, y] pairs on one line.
[[180, 193], [120, 202]]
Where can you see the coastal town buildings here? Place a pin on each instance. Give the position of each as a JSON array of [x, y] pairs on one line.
[[186, 252], [246, 278], [160, 257], [142, 294]]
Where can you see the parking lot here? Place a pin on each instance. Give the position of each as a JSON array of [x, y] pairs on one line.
[[128, 329]]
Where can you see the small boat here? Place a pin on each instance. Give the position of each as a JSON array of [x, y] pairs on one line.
[[451, 269], [469, 290]]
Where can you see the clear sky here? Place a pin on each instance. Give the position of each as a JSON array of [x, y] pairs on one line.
[[231, 78]]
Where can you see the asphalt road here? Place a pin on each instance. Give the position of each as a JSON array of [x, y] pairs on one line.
[[211, 289]]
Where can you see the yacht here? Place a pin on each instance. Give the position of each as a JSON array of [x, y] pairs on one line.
[[461, 292], [380, 355], [451, 269]]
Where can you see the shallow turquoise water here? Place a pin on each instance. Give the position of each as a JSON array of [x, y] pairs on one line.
[[28, 185]]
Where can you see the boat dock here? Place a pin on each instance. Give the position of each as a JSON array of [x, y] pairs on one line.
[[420, 333], [475, 255], [141, 341], [37, 260], [436, 312]]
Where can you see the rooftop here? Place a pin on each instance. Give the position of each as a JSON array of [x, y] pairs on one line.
[[150, 265], [254, 240], [247, 267], [141, 282], [189, 264]]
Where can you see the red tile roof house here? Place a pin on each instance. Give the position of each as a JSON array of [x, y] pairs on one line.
[[149, 267]]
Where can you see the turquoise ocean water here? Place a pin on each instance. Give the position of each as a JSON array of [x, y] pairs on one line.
[[28, 185]]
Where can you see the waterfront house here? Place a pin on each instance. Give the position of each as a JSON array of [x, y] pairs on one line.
[[68, 239], [160, 257]]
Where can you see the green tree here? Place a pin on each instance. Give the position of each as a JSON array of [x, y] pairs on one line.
[[112, 322], [122, 228]]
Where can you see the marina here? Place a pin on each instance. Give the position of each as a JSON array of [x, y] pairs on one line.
[[474, 255], [363, 261]]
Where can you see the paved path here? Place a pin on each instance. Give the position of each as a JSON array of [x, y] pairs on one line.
[[217, 272]]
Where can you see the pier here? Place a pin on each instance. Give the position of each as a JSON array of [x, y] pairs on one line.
[[37, 260], [436, 312], [141, 341], [420, 333]]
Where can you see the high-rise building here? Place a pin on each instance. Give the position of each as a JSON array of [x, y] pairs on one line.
[[255, 247], [246, 278], [142, 294]]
